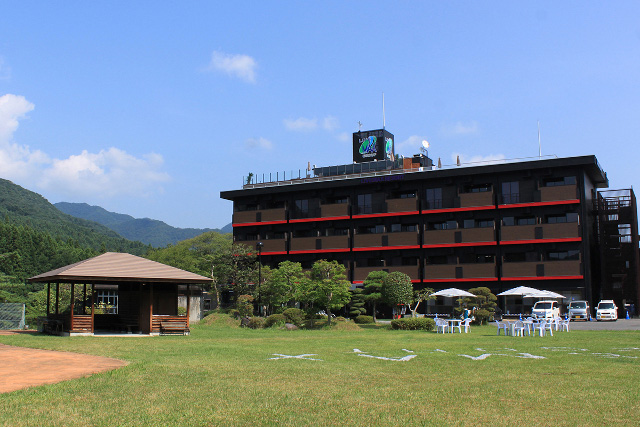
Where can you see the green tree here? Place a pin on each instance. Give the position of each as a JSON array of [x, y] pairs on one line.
[[484, 301], [282, 284], [328, 287], [357, 304], [236, 267], [373, 289], [420, 295], [397, 289]]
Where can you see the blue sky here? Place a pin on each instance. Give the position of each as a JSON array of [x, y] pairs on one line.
[[152, 108]]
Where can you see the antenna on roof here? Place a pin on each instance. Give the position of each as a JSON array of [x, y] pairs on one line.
[[539, 145], [359, 126], [383, 120]]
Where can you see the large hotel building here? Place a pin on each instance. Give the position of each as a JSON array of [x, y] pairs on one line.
[[541, 222]]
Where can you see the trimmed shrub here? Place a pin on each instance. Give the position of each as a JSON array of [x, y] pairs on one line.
[[413, 324], [294, 315], [362, 319], [275, 320], [234, 313], [255, 323], [340, 319], [482, 316]]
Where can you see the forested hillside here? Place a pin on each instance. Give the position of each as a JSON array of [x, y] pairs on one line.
[[149, 231], [19, 206]]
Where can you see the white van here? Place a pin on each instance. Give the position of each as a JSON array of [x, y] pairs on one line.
[[606, 310], [579, 310], [546, 310]]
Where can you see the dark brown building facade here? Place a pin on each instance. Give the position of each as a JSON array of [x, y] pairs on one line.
[[498, 225]]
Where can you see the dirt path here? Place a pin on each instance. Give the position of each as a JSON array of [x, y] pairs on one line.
[[26, 367]]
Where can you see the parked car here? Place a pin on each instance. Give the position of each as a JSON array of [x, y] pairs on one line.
[[606, 310], [546, 309], [579, 310]]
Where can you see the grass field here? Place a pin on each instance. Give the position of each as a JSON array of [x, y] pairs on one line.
[[224, 375]]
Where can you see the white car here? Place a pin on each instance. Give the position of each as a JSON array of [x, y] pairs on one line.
[[606, 310], [546, 310], [579, 310]]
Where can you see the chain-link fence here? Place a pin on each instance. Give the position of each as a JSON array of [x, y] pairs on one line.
[[11, 316]]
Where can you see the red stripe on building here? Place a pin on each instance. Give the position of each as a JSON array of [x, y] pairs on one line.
[[453, 245], [325, 218], [314, 251], [275, 253], [385, 248], [470, 208], [471, 279], [533, 204], [246, 224], [379, 215], [525, 242], [545, 278]]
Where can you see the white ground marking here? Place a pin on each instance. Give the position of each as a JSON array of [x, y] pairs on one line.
[[299, 356], [393, 359]]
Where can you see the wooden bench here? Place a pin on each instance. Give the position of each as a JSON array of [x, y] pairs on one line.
[[173, 327]]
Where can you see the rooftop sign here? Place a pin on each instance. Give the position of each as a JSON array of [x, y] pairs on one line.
[[372, 145]]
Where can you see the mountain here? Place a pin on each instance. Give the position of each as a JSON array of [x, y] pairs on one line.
[[22, 207], [150, 231]]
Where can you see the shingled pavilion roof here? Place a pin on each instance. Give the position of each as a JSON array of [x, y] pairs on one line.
[[119, 267]]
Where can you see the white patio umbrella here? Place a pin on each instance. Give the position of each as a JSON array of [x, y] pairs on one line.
[[518, 291], [453, 293], [544, 294]]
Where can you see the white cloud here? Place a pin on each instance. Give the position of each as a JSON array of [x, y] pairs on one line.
[[236, 65], [410, 146], [330, 123], [301, 124], [109, 173], [460, 129], [258, 143], [345, 137], [304, 124], [12, 108]]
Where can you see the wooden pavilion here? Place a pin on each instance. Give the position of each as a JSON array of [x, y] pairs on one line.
[[119, 292]]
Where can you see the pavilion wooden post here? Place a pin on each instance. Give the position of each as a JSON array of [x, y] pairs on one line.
[[71, 305], [84, 299], [48, 297], [188, 302], [150, 309], [57, 296], [93, 307]]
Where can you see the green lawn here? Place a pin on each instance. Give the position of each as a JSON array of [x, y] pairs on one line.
[[222, 375]]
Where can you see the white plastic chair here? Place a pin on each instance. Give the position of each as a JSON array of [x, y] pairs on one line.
[[519, 328], [441, 326], [548, 326], [466, 325], [501, 325], [556, 323], [564, 325], [540, 327]]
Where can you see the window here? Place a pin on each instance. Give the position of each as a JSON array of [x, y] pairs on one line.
[[526, 220], [247, 237], [441, 259], [508, 220], [433, 198], [107, 302], [472, 258], [337, 200], [302, 206], [364, 203], [477, 188], [371, 229], [555, 182], [274, 235], [370, 262], [444, 225], [304, 233], [558, 219], [510, 192], [403, 195], [521, 257], [396, 228], [478, 223], [337, 232], [563, 255]]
